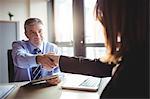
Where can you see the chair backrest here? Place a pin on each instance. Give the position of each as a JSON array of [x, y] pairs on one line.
[[10, 66]]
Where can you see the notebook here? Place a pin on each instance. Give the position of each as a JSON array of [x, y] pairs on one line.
[[5, 90], [81, 82]]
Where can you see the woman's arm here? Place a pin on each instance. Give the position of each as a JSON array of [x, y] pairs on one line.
[[85, 66]]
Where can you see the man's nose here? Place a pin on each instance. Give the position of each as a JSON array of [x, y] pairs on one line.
[[37, 34]]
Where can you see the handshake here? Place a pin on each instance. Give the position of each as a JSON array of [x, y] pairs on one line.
[[48, 61]]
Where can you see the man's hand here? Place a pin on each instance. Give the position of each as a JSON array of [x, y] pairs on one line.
[[54, 81], [54, 58], [45, 61]]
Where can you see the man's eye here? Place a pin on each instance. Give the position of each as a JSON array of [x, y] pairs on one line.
[[40, 32], [32, 33]]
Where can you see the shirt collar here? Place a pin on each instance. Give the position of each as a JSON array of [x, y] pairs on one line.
[[34, 47]]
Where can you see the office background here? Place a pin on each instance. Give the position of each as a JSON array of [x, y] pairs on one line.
[[68, 23], [21, 9]]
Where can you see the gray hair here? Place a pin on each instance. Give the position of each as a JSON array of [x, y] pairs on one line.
[[32, 21]]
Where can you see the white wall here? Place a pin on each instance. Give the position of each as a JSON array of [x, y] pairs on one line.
[[38, 8], [18, 8], [23, 9]]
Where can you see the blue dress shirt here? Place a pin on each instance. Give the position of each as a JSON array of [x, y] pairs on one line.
[[24, 60]]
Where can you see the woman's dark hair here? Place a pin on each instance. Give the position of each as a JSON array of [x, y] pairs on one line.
[[127, 19]]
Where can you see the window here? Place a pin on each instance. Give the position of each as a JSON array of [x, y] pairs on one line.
[[93, 29], [77, 32], [94, 39], [64, 26]]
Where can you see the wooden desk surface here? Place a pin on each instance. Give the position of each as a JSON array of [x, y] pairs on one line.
[[43, 91]]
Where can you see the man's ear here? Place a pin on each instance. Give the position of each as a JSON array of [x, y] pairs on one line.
[[26, 34]]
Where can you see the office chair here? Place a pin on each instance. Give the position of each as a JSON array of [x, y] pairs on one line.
[[10, 66]]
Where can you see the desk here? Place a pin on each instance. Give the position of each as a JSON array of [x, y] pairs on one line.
[[43, 91]]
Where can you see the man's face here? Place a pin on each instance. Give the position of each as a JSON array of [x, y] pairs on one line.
[[34, 33]]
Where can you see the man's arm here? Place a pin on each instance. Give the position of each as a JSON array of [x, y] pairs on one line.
[[21, 56], [24, 59]]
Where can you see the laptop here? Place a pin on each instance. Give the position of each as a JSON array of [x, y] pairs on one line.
[[5, 90], [81, 82]]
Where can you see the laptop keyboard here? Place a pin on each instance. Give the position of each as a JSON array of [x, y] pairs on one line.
[[91, 82], [5, 90]]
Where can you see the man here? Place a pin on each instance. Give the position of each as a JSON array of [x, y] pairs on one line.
[[30, 57]]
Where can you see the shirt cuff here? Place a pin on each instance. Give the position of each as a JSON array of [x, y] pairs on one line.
[[32, 61]]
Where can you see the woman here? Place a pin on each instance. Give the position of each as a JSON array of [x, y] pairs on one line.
[[126, 59]]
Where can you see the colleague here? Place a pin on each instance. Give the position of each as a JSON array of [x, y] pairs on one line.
[[127, 58], [30, 55]]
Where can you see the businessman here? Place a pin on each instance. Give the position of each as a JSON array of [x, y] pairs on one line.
[[30, 57]]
